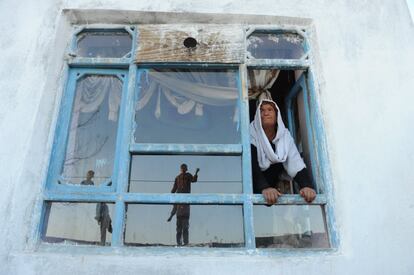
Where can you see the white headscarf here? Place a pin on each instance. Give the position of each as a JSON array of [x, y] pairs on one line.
[[285, 148]]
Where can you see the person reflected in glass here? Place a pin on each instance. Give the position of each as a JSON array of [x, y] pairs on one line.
[[102, 211], [104, 220], [182, 184], [274, 153], [89, 175]]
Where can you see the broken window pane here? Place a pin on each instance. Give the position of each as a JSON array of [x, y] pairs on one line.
[[207, 226], [187, 106], [290, 226], [79, 223], [103, 44], [161, 174], [275, 45], [92, 135]]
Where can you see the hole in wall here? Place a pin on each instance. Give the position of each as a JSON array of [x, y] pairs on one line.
[[190, 43]]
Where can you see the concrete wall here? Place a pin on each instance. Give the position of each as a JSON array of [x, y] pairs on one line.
[[365, 84]]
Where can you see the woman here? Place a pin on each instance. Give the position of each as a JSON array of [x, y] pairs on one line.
[[274, 152]]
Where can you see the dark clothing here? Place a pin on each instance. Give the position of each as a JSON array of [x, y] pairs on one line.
[[104, 220], [182, 183], [182, 229], [182, 211], [271, 176], [87, 182]]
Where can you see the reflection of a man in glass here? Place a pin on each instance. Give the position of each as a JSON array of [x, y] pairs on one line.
[[102, 212], [182, 184], [88, 181]]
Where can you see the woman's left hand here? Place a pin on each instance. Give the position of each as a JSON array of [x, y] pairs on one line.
[[308, 194]]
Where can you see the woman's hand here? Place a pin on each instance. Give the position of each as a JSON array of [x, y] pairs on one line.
[[271, 194], [308, 194]]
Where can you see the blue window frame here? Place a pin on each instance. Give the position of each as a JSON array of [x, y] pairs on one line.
[[115, 190]]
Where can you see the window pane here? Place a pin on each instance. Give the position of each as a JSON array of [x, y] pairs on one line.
[[301, 130], [290, 226], [103, 44], [92, 135], [275, 45], [187, 106], [207, 226], [158, 173], [80, 223]]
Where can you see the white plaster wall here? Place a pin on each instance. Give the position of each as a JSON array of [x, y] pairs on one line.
[[366, 85]]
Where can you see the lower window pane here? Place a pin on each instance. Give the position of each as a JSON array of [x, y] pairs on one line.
[[290, 226], [207, 226], [80, 223]]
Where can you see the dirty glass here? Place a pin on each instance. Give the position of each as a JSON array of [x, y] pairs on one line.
[[190, 225], [157, 173], [290, 226], [92, 136], [79, 223], [187, 106], [275, 46], [103, 44]]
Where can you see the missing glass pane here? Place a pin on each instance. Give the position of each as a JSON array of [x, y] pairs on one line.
[[187, 106], [103, 44], [275, 45], [163, 173], [290, 226], [172, 225], [78, 223]]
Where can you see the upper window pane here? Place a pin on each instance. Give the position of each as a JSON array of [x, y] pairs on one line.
[[92, 135], [103, 44], [275, 45], [187, 106]]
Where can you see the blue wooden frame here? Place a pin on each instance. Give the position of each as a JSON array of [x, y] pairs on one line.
[[316, 131], [62, 132], [127, 29], [125, 147], [299, 86]]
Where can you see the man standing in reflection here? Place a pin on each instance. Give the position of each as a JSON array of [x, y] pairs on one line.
[[89, 175], [102, 212], [104, 220], [182, 184]]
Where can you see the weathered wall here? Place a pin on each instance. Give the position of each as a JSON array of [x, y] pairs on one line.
[[365, 79]]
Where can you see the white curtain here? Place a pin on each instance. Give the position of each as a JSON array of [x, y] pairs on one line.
[[260, 81], [188, 91], [91, 93]]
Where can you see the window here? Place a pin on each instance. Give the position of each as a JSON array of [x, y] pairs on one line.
[[139, 111]]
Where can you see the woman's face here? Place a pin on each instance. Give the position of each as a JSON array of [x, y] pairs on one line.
[[268, 115]]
